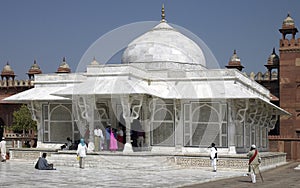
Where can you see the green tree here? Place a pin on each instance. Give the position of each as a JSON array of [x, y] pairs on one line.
[[22, 120]]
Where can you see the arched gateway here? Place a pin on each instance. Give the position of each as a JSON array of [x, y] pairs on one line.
[[165, 85]]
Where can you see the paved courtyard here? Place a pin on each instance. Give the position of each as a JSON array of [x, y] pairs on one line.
[[285, 176], [133, 172]]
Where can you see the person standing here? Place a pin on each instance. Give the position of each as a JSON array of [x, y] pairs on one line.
[[213, 156], [120, 136], [96, 139], [81, 152], [101, 140], [254, 162], [113, 142], [3, 149], [107, 137], [140, 139]]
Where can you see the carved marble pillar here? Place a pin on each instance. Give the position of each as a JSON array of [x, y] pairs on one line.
[[90, 107], [238, 113], [35, 109], [85, 106], [80, 114], [146, 122], [131, 109], [178, 126], [126, 115], [231, 127]]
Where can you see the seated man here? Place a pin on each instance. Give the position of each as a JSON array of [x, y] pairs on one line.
[[42, 163], [69, 143]]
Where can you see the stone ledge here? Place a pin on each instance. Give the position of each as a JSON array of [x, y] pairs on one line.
[[29, 153], [237, 161]]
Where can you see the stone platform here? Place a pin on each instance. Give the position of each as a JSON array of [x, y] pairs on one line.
[[192, 160]]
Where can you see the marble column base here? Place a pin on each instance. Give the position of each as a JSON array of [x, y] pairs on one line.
[[127, 148]]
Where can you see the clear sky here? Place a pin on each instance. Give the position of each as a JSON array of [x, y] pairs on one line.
[[50, 30]]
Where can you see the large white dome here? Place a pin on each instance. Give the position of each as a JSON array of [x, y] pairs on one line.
[[163, 44]]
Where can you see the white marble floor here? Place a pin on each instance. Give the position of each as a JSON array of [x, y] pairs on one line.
[[132, 172]]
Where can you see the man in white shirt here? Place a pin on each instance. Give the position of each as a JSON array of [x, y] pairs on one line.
[[213, 156], [98, 135], [101, 141], [3, 149]]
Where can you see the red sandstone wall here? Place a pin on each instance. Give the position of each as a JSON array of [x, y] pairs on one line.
[[289, 140], [289, 146]]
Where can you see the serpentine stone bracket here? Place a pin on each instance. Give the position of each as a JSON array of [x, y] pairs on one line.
[[131, 106], [35, 109], [252, 111], [242, 106]]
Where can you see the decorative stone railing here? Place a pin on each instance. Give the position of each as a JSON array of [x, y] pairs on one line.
[[237, 161], [290, 43], [15, 83]]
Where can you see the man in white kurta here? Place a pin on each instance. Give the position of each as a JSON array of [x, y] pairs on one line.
[[213, 156], [96, 140], [3, 149]]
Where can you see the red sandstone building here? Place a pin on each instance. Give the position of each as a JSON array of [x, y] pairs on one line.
[[9, 86], [289, 74], [282, 78]]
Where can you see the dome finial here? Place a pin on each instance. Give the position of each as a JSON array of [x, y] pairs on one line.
[[94, 62], [163, 13]]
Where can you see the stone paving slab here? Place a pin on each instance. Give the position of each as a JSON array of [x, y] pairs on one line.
[[284, 176], [129, 173]]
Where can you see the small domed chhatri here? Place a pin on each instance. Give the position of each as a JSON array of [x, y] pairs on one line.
[[94, 62], [273, 59], [7, 70], [34, 69], [235, 57], [163, 44], [288, 27], [235, 62], [63, 67], [288, 22]]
